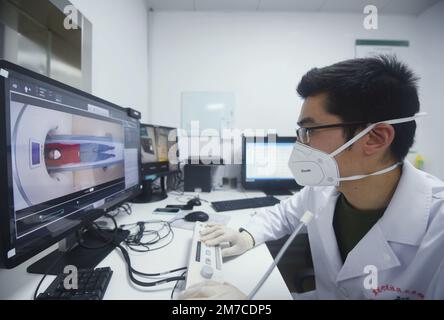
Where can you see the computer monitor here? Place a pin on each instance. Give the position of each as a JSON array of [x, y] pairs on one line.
[[158, 150], [66, 156], [265, 164]]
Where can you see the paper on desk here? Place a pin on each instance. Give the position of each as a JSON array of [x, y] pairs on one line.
[[216, 218]]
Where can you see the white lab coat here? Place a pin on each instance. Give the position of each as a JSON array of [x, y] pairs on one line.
[[406, 245]]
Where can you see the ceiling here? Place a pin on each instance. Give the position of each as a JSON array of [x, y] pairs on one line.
[[398, 7]]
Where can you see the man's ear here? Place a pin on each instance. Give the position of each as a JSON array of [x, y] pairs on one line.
[[379, 139]]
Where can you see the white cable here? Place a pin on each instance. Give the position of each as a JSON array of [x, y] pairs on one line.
[[304, 221]]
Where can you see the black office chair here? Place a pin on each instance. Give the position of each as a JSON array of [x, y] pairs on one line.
[[296, 266]]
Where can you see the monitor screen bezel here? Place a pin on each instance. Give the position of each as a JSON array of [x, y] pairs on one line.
[[6, 171]]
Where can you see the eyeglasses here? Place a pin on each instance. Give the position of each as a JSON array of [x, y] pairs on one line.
[[303, 134]]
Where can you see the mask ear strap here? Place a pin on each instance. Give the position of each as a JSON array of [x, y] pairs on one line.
[[407, 119], [367, 130], [353, 140], [371, 174]]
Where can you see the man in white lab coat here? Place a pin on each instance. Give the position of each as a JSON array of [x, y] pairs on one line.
[[375, 214]]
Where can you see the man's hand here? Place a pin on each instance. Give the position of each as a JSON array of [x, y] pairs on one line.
[[211, 290], [239, 242]]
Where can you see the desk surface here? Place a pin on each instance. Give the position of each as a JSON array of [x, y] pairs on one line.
[[243, 271]]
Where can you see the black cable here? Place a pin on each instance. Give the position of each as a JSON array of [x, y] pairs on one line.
[[174, 181], [157, 274], [153, 274], [141, 283], [123, 208], [112, 239], [178, 181], [128, 208], [100, 233], [175, 286], [134, 241], [112, 219], [203, 200], [81, 244], [132, 269]]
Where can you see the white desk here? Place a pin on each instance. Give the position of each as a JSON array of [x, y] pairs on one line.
[[243, 271]]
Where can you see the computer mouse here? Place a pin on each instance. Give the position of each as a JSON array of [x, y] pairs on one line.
[[196, 216], [194, 202]]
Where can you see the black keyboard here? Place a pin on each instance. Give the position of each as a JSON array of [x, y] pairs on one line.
[[92, 284], [244, 203]]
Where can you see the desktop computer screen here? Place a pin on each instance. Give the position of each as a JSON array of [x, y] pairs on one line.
[[265, 163], [67, 157], [173, 149], [148, 144], [158, 149], [162, 144]]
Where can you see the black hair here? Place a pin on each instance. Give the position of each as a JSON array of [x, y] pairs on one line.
[[368, 90]]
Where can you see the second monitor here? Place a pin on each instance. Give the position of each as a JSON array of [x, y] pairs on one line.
[[158, 159], [265, 164]]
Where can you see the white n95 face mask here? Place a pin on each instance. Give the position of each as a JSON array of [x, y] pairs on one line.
[[312, 167]]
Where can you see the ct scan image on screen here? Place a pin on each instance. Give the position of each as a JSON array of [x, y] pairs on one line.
[[61, 153]]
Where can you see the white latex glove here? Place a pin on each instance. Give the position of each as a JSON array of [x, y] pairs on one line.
[[215, 234], [212, 290]]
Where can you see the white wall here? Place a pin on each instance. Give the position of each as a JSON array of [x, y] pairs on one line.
[[258, 56], [430, 26], [262, 56], [119, 51]]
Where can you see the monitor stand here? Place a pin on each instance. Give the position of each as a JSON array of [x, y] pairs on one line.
[[277, 192], [148, 195], [79, 257]]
